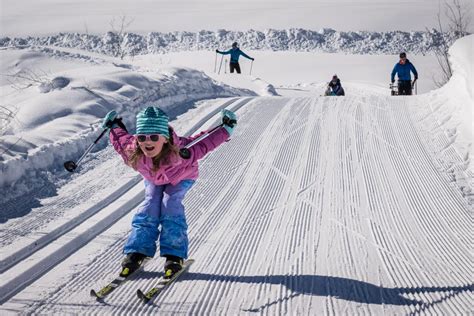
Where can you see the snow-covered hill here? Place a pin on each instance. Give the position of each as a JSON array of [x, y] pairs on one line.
[[324, 40]]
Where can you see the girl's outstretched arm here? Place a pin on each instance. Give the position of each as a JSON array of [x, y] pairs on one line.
[[200, 149], [216, 138], [123, 142]]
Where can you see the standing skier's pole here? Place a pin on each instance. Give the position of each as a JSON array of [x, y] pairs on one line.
[[225, 66], [414, 86], [71, 165], [215, 64], [220, 66], [251, 65]]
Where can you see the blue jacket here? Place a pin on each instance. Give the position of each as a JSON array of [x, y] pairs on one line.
[[234, 54], [404, 71]]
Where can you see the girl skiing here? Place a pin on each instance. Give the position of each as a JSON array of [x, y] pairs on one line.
[[154, 152]]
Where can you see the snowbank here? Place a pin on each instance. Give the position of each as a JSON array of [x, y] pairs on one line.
[[293, 39], [462, 83], [451, 131], [58, 123]]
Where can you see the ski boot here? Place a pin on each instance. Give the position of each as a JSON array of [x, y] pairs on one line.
[[172, 265], [131, 263]]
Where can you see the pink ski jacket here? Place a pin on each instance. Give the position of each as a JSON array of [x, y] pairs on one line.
[[177, 169]]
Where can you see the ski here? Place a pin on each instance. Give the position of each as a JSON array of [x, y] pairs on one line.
[[123, 276], [163, 283]]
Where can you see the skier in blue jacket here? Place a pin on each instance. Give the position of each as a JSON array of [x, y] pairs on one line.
[[235, 53], [403, 68]]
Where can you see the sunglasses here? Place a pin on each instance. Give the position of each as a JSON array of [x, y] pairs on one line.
[[143, 138]]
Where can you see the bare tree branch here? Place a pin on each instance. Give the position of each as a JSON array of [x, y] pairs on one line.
[[458, 21], [120, 29], [26, 78]]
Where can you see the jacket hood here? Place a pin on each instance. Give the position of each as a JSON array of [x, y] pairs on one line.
[[174, 136]]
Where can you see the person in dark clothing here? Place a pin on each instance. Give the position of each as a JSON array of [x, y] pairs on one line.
[[335, 86], [235, 53], [403, 69]]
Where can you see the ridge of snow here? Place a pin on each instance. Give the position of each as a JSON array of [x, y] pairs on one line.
[[266, 89], [293, 39]]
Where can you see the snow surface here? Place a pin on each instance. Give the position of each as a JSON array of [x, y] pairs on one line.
[[336, 208], [318, 205]]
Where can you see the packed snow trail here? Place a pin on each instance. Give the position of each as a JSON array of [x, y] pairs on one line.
[[316, 206]]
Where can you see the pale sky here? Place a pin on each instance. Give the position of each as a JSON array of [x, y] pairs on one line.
[[32, 17]]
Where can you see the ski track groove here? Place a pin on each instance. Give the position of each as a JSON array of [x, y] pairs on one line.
[[257, 205], [387, 240], [263, 142], [54, 207], [438, 228], [453, 251], [415, 257], [419, 205], [369, 197]]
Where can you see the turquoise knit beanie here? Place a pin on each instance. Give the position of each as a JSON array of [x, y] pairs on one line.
[[152, 120]]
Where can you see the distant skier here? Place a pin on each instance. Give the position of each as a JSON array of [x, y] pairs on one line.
[[403, 68], [153, 152], [334, 87], [235, 53]]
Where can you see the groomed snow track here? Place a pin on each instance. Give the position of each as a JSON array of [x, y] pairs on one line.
[[316, 206]]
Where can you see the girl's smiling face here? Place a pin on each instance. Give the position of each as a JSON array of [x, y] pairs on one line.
[[151, 145]]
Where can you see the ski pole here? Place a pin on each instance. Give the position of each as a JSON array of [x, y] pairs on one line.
[[220, 66], [71, 165], [215, 63], [225, 66], [186, 154], [251, 65]]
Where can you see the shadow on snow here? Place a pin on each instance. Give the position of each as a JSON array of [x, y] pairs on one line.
[[338, 287]]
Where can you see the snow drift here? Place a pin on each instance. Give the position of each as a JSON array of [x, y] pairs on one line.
[[447, 120], [293, 39]]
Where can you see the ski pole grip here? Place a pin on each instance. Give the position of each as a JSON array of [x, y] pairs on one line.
[[185, 153], [228, 121]]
